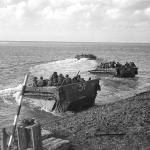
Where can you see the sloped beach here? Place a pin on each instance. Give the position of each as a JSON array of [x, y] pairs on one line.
[[123, 125]]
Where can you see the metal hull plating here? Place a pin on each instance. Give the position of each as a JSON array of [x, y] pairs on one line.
[[109, 71], [123, 73], [68, 97]]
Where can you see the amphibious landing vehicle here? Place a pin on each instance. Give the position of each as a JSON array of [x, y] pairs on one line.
[[128, 70], [74, 96], [88, 56]]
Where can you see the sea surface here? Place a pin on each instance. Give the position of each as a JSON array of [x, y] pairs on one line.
[[43, 58]]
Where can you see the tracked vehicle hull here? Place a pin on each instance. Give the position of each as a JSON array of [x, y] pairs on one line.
[[123, 73], [109, 71], [73, 97]]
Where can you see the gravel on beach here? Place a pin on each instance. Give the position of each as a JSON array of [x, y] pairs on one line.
[[122, 125]]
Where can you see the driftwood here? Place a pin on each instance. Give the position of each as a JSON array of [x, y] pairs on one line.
[[46, 134], [110, 134], [55, 144]]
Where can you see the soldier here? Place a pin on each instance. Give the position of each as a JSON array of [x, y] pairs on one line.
[[74, 80], [127, 64], [78, 78], [118, 68], [113, 64], [34, 84], [40, 82], [60, 79], [50, 83], [55, 75], [68, 79], [54, 79], [45, 82], [132, 64]]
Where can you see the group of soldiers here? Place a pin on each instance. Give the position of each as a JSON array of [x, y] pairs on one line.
[[113, 64], [128, 69], [56, 80]]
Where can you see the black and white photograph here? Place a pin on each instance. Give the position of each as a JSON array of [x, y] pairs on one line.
[[74, 74]]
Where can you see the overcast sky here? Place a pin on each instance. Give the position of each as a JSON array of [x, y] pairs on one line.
[[75, 20]]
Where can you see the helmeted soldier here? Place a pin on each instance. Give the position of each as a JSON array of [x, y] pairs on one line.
[[34, 84], [78, 78], [50, 83], [40, 82], [118, 68], [54, 79], [74, 80], [67, 79], [60, 79]]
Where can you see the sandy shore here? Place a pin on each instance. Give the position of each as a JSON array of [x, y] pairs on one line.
[[123, 125]]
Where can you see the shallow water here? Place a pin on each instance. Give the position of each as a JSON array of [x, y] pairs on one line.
[[42, 58]]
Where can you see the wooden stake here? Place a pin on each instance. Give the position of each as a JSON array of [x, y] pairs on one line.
[[18, 112], [4, 140]]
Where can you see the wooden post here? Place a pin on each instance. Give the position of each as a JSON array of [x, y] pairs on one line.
[[4, 140], [22, 141], [18, 111], [29, 137], [36, 137]]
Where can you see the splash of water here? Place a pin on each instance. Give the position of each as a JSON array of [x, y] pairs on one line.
[[67, 66], [10, 93]]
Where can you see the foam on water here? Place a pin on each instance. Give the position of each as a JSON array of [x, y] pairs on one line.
[[7, 95], [11, 96], [68, 66], [115, 89]]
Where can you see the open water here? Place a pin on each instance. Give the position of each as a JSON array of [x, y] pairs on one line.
[[42, 58]]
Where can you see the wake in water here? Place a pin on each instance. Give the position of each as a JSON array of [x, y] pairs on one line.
[[67, 66]]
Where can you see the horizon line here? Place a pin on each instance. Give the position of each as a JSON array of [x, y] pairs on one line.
[[73, 41]]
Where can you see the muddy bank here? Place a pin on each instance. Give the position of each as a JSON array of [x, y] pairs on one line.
[[123, 125]]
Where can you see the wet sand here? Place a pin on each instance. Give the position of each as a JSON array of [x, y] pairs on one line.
[[123, 125]]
